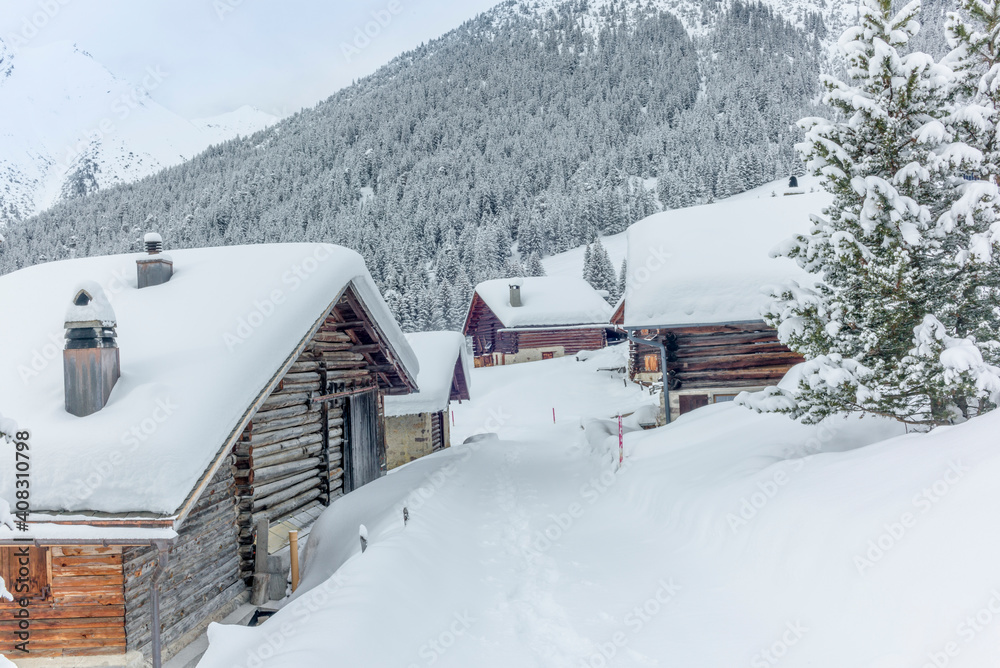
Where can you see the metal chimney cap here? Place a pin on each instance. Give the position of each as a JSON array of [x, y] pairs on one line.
[[90, 308], [153, 243]]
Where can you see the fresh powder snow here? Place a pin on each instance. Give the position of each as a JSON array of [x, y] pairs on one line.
[[712, 264]]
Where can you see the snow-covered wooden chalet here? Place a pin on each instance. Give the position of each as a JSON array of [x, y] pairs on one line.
[[514, 320], [418, 424], [175, 405], [698, 282]]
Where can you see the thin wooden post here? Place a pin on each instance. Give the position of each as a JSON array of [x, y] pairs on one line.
[[293, 548]]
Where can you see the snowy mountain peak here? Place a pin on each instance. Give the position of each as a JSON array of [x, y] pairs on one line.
[[69, 126]]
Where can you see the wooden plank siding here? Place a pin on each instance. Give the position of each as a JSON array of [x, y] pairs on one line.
[[84, 612], [202, 576], [572, 340], [727, 356]]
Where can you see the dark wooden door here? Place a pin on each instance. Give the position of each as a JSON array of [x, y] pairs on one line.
[[363, 446], [689, 402]]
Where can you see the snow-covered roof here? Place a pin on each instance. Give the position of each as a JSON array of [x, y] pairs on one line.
[[545, 300], [196, 353], [712, 264], [438, 354]]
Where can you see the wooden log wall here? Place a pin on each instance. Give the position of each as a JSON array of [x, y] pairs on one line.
[[202, 577], [84, 613], [743, 355], [572, 340], [482, 326], [291, 457]]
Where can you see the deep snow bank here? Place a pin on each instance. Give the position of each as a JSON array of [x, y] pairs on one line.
[[728, 539]]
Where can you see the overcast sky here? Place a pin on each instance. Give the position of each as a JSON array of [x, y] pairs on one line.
[[277, 55]]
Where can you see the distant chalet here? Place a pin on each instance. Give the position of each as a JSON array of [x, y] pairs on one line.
[[250, 394], [418, 424], [515, 320], [698, 282]]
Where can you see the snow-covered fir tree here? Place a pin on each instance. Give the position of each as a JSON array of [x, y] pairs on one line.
[[535, 266], [598, 270], [883, 328]]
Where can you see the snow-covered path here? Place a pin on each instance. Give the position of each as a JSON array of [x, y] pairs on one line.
[[506, 540]]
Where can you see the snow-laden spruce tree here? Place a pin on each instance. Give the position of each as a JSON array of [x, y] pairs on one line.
[[894, 323]]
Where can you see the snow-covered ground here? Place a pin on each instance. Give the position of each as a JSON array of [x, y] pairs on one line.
[[728, 539]]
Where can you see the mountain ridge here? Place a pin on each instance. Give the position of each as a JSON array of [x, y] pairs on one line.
[[515, 127]]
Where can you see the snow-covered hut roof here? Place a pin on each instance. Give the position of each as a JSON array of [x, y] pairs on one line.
[[545, 301], [196, 354], [711, 264], [445, 374]]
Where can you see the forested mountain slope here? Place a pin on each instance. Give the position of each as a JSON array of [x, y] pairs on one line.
[[537, 125]]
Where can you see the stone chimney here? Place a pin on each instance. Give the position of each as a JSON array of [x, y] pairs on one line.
[[515, 294], [156, 268], [91, 364]]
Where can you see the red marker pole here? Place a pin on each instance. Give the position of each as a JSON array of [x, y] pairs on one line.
[[453, 418], [553, 415], [621, 442]]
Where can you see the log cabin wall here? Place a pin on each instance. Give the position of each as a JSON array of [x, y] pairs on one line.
[[713, 363], [82, 613], [571, 340], [201, 582], [291, 457], [482, 325], [737, 356]]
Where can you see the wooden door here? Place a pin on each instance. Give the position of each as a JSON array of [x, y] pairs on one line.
[[31, 562], [437, 431], [689, 402], [362, 450]]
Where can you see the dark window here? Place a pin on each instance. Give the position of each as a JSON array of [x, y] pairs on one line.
[[689, 402]]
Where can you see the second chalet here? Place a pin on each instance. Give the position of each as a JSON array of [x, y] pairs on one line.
[[699, 280], [514, 320]]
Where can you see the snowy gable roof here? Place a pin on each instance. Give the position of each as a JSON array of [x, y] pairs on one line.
[[545, 301], [711, 264], [441, 355], [196, 353]]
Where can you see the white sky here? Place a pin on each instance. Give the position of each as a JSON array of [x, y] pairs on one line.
[[277, 55]]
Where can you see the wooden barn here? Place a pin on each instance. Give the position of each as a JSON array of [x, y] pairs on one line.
[[699, 280], [516, 320], [239, 389], [418, 424]]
